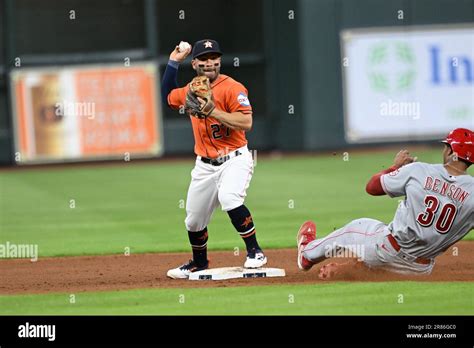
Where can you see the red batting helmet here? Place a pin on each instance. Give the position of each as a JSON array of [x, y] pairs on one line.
[[461, 141]]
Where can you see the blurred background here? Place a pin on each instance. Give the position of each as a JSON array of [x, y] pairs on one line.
[[79, 79], [337, 86]]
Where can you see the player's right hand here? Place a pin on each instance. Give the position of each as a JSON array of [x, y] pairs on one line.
[[178, 56], [403, 158]]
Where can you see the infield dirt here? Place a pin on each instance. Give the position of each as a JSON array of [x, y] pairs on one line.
[[120, 272]]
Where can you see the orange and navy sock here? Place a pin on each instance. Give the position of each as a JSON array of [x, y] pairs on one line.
[[198, 242], [243, 223]]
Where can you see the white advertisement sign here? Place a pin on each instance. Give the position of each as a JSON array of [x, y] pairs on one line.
[[407, 83]]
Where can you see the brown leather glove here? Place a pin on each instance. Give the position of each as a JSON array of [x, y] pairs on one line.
[[199, 99]]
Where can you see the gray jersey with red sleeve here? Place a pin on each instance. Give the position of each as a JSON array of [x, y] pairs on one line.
[[438, 209]]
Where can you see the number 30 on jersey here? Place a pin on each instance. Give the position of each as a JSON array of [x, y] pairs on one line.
[[444, 220]]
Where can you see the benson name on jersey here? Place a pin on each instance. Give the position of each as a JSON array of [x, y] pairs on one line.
[[446, 189]]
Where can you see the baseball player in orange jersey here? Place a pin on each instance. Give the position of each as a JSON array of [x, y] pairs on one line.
[[438, 210], [224, 165]]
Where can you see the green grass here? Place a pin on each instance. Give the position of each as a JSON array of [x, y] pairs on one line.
[[322, 299], [138, 205]]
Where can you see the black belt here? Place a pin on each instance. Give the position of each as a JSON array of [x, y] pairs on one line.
[[220, 160]]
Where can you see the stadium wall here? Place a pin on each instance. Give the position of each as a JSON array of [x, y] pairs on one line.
[[288, 54]]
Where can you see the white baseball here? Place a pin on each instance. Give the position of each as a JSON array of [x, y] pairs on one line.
[[184, 46]]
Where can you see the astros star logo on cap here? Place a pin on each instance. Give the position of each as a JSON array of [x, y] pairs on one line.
[[208, 44]]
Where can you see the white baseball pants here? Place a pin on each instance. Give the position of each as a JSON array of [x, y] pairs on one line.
[[213, 185], [367, 240]]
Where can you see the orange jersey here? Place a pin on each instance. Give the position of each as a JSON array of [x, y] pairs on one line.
[[212, 139]]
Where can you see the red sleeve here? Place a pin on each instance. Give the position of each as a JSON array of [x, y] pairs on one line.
[[374, 186]]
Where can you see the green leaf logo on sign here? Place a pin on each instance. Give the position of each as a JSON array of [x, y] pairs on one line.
[[391, 67]]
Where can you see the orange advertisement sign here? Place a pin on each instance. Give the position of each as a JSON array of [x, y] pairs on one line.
[[86, 112]]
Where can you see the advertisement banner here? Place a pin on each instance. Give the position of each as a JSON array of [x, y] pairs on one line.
[[73, 113], [413, 83]]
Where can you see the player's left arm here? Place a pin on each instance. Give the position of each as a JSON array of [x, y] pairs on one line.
[[238, 113], [375, 185], [234, 120]]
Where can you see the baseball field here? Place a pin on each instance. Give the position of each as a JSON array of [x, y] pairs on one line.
[[107, 234]]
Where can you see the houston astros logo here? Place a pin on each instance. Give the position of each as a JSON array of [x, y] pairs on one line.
[[208, 44], [203, 237], [248, 221]]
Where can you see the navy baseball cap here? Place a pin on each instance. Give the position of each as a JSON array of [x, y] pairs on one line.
[[206, 46]]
